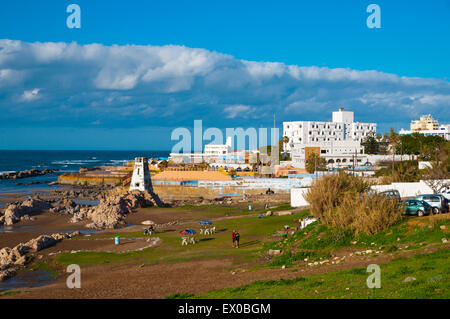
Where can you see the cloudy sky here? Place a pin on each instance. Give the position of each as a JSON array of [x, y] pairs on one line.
[[126, 80]]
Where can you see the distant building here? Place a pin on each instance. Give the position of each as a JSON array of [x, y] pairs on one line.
[[426, 123], [442, 131], [337, 154], [140, 180], [341, 128], [214, 153]]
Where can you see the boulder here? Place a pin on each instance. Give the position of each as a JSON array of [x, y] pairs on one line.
[[14, 212], [274, 252], [283, 213], [408, 279]]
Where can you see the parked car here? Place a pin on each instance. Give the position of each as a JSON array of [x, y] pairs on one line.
[[392, 194], [446, 194], [417, 207], [437, 201]]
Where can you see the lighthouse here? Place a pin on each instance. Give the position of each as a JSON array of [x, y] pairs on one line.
[[141, 175]]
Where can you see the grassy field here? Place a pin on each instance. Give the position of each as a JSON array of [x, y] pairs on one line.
[[316, 242], [430, 270], [255, 232]]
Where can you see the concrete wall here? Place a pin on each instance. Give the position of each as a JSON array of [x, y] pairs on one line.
[[275, 184], [182, 192], [297, 197], [406, 189]]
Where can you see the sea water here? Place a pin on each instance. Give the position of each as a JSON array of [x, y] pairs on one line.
[[64, 161]]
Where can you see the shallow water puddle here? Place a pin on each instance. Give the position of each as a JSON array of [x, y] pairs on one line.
[[27, 279], [86, 202]]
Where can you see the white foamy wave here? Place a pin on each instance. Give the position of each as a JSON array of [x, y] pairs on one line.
[[75, 162], [6, 172]]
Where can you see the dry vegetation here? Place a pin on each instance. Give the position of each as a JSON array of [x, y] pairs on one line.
[[344, 203]]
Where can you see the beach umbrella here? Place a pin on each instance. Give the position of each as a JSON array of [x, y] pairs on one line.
[[205, 222], [187, 232]]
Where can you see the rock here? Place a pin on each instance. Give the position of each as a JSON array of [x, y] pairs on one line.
[[274, 252], [408, 279], [284, 213], [14, 212], [113, 207], [6, 274], [444, 240], [283, 267]]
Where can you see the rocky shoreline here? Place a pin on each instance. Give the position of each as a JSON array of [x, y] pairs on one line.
[[27, 173], [13, 259]]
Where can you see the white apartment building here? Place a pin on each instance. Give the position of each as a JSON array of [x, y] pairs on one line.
[[337, 154], [341, 128], [211, 154], [443, 131], [215, 150]]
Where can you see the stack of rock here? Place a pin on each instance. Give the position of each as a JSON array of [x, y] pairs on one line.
[[14, 212], [11, 259], [113, 207]]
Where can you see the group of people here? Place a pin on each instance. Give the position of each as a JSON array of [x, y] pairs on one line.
[[150, 230], [235, 237]]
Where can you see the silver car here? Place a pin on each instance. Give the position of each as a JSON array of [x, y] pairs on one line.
[[437, 201]]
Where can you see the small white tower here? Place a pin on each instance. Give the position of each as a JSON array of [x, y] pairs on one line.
[[141, 175]]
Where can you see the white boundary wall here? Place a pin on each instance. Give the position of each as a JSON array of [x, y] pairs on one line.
[[405, 190], [297, 197], [284, 184]]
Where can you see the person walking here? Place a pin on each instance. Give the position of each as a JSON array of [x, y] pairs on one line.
[[233, 237], [237, 236]]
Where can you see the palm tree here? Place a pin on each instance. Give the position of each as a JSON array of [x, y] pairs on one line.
[[393, 139]]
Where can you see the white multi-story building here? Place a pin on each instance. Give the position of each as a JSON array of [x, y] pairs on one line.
[[443, 131], [337, 154], [341, 128], [211, 154], [215, 150]]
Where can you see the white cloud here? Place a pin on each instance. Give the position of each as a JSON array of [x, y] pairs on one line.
[[117, 84], [30, 95], [241, 111]]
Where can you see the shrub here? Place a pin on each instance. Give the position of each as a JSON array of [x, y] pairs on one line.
[[327, 192], [344, 203], [365, 214]]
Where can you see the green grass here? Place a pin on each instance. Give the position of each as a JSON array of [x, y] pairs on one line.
[[46, 266], [431, 271], [9, 293], [255, 232], [323, 241]]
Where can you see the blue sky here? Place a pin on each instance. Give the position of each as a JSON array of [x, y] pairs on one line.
[[230, 63]]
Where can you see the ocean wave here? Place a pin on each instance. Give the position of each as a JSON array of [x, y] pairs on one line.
[[75, 162]]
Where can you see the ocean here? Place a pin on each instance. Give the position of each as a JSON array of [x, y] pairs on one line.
[[64, 161]]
